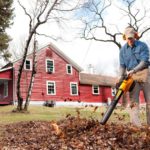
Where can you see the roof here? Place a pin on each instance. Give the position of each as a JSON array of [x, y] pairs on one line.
[[7, 66], [65, 57], [57, 51], [6, 74], [94, 79], [5, 69]]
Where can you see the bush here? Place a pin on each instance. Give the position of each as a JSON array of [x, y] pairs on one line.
[[49, 103]]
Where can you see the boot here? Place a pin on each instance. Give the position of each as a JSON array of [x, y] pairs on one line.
[[134, 115], [148, 113]]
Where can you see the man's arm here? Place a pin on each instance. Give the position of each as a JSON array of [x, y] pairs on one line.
[[140, 66], [122, 73]]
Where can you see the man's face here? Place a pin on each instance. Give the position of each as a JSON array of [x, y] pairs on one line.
[[130, 41]]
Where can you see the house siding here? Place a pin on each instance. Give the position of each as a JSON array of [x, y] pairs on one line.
[[60, 76], [87, 96], [8, 99], [61, 79]]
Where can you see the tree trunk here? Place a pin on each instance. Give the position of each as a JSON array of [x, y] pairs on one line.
[[32, 79], [19, 97], [20, 103], [29, 92]]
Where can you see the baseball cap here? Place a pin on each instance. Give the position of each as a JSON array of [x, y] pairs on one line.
[[129, 32]]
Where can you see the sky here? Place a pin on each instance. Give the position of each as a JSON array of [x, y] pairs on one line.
[[103, 57]]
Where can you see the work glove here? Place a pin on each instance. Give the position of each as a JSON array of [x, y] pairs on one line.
[[130, 73]]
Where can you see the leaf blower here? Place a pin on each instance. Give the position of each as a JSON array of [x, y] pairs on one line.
[[127, 84]]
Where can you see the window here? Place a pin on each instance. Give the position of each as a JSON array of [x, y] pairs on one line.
[[28, 64], [50, 66], [95, 89], [69, 69], [74, 88], [51, 88], [5, 88], [113, 91]]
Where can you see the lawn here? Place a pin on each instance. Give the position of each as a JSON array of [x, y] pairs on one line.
[[57, 113]]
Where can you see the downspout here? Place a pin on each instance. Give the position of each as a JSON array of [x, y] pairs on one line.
[[13, 85], [79, 88]]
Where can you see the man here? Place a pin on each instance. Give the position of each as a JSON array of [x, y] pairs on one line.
[[134, 57]]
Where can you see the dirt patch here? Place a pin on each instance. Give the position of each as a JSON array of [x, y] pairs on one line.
[[74, 133]]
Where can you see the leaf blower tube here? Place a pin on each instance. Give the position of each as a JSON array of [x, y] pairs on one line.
[[126, 85]]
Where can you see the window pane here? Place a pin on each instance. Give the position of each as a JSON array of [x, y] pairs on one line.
[[5, 88], [50, 65], [113, 91], [95, 89], [51, 88], [69, 69], [74, 88], [28, 65]]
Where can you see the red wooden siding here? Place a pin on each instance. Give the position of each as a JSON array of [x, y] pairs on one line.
[[8, 99], [141, 99], [6, 74], [61, 78], [87, 96]]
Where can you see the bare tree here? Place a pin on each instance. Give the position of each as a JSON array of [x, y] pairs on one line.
[[103, 19], [17, 50], [101, 26], [44, 11]]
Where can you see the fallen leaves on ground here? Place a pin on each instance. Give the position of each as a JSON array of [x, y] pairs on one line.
[[74, 133]]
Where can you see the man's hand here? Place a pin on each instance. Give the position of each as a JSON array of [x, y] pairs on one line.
[[131, 72]]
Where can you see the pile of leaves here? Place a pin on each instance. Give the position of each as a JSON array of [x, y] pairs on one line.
[[74, 133]]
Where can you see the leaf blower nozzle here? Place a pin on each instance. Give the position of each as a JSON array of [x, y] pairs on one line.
[[126, 85]]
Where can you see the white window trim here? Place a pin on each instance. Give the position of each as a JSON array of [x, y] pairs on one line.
[[53, 65], [54, 87], [93, 90], [113, 90], [71, 88], [67, 68], [6, 86], [30, 64]]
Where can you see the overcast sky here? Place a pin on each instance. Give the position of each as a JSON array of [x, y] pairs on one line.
[[104, 57]]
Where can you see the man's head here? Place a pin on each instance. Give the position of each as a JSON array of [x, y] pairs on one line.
[[129, 32], [130, 35]]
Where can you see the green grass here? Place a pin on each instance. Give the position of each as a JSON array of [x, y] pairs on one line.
[[57, 113]]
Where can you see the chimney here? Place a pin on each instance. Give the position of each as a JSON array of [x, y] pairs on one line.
[[91, 69]]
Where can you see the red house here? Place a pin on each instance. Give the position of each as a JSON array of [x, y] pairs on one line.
[[6, 85], [96, 88], [57, 78]]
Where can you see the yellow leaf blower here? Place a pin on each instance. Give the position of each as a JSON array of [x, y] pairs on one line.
[[127, 84]]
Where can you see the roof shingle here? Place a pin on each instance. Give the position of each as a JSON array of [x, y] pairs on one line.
[[94, 79]]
